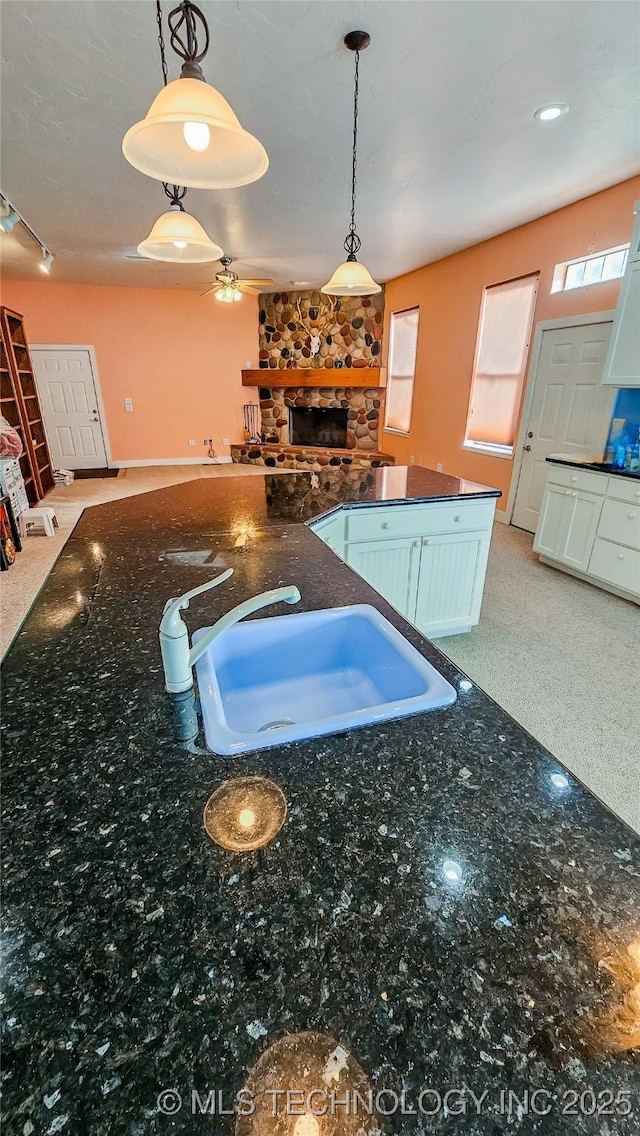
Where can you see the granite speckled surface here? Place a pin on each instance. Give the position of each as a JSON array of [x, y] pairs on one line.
[[596, 466], [141, 957]]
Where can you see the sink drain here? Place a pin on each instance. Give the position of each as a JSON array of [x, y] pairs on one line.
[[277, 725]]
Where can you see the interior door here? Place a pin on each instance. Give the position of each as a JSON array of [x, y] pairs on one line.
[[70, 408], [570, 410]]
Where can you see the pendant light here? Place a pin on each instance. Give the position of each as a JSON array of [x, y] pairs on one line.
[[177, 236], [190, 134], [352, 278]]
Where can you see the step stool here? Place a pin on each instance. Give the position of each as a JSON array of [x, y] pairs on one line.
[[40, 515]]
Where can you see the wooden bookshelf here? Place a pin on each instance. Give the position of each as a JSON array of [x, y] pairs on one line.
[[20, 405]]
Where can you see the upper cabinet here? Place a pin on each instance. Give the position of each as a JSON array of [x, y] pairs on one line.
[[622, 365]]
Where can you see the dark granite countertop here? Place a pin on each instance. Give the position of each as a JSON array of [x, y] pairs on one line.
[[140, 957], [596, 466]]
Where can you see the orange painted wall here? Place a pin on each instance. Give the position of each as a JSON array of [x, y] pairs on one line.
[[449, 293], [176, 354]]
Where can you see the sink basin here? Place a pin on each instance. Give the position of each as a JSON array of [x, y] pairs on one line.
[[269, 681]]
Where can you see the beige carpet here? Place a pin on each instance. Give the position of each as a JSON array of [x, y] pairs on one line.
[[563, 657], [560, 655]]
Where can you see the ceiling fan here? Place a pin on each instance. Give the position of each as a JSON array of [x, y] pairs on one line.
[[228, 287]]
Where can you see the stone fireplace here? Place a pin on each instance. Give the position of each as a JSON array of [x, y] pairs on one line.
[[362, 406]]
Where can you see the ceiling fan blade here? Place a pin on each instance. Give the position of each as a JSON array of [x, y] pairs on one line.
[[213, 288], [256, 283]]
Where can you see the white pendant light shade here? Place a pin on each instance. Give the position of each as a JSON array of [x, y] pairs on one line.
[[178, 237], [351, 279], [191, 137]]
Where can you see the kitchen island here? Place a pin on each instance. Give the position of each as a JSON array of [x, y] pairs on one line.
[[444, 903]]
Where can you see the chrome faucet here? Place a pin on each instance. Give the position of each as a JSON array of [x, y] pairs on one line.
[[178, 658]]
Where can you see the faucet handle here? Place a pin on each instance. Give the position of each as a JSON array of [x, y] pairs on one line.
[[171, 623]]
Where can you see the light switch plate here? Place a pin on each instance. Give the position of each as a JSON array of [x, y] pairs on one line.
[[128, 405]]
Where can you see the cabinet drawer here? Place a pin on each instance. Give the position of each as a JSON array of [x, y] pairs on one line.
[[575, 478], [617, 565], [411, 520], [620, 522], [624, 489]]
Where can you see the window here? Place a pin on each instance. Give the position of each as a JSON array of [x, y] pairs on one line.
[[403, 344], [501, 358], [607, 265]]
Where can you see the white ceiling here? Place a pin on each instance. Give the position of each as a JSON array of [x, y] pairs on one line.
[[449, 151]]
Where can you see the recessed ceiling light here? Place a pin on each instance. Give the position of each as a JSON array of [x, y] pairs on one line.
[[549, 111]]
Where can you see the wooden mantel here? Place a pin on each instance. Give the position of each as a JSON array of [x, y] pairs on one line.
[[374, 377]]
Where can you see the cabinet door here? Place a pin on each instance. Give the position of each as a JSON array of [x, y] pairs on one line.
[[578, 529], [331, 531], [452, 571], [391, 567], [622, 365], [549, 531]]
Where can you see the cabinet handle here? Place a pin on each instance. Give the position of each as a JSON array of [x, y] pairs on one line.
[[621, 556], [384, 525], [416, 543], [426, 541], [631, 516], [458, 517], [574, 478], [567, 492], [573, 494]]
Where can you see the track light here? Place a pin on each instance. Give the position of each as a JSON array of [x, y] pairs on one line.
[[9, 221]]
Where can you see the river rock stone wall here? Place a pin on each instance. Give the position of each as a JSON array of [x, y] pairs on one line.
[[363, 406], [307, 329]]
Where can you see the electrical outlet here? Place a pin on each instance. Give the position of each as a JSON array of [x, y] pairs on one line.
[[192, 441], [225, 441], [411, 459], [439, 467], [128, 405], [205, 442]]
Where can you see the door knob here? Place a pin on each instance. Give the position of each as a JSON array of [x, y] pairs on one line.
[[530, 434], [527, 448]]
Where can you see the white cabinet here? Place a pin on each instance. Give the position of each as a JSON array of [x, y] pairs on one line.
[[331, 530], [391, 567], [568, 523], [452, 571], [593, 533], [428, 560], [622, 365]]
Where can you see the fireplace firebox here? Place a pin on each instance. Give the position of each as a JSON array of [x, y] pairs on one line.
[[318, 426]]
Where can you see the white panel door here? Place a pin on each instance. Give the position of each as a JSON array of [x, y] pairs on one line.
[[570, 410], [391, 567], [70, 408]]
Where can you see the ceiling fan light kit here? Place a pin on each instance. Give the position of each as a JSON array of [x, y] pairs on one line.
[[352, 278], [190, 134]]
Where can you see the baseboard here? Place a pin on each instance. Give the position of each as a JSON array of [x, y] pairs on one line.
[[129, 463], [501, 517]]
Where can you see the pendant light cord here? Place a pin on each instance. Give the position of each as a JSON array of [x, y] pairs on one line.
[[352, 242], [163, 58], [174, 193]]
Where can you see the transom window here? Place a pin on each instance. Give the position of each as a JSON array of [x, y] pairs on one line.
[[502, 348], [594, 269], [403, 344]]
